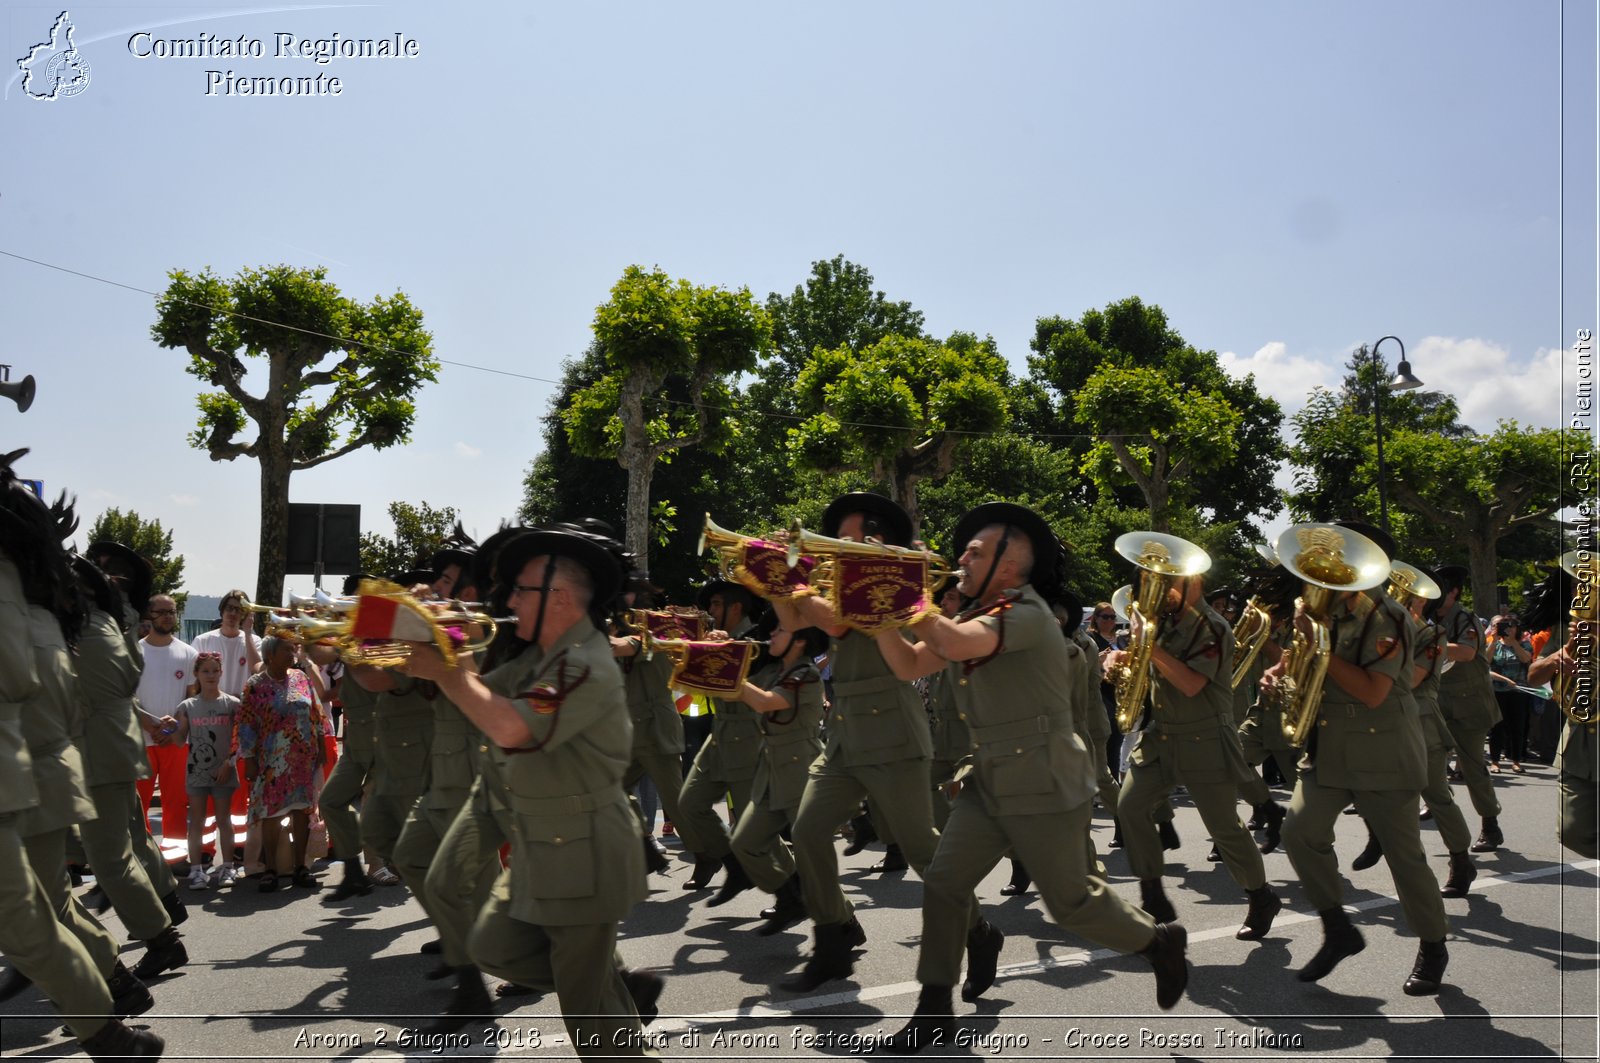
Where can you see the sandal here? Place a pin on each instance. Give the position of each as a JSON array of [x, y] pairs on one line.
[[269, 881], [1517, 768], [1494, 766], [305, 879]]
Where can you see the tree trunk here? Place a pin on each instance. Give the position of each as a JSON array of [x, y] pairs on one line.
[[903, 490], [1158, 493], [275, 470], [1481, 555], [641, 466]]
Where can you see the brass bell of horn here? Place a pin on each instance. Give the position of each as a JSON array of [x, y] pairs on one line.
[[1408, 581]]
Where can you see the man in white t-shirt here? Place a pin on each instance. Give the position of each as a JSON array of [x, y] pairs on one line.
[[240, 651], [168, 679]]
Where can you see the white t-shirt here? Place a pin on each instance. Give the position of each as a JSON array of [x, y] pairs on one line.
[[235, 657], [168, 673]]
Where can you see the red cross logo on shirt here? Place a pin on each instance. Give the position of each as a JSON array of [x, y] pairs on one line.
[[178, 674]]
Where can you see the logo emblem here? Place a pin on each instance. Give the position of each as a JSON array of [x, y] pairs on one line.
[[55, 68]]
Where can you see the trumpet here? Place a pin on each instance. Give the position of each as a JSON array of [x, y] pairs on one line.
[[380, 625], [802, 542], [1329, 560], [717, 668], [1163, 560], [764, 566]]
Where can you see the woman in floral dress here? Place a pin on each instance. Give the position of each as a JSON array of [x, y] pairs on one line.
[[280, 745]]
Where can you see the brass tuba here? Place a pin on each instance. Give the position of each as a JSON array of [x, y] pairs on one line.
[[1162, 560], [1575, 692], [1250, 633], [1329, 560]]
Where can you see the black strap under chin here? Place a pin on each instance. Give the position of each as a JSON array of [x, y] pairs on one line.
[[994, 562]]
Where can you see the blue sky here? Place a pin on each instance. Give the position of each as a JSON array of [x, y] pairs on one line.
[[1286, 180]]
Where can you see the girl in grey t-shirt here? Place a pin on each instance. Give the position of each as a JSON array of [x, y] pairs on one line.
[[207, 722]]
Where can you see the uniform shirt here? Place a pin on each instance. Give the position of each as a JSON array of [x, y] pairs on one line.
[[108, 677], [359, 716], [735, 733], [791, 738], [575, 855], [404, 719], [951, 739], [1027, 756], [453, 756], [19, 682], [52, 723], [1199, 638], [1466, 695], [877, 717], [657, 727], [1355, 746]]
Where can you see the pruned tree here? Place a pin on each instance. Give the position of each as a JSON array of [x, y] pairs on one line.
[[671, 351], [339, 375]]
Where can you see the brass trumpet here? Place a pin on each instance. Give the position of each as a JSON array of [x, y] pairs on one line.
[[383, 635], [717, 668], [1162, 560]]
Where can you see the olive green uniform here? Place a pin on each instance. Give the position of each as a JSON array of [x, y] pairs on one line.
[[576, 865], [1466, 698], [790, 741], [951, 742], [1373, 757], [1027, 789], [1094, 727], [116, 841], [725, 765], [877, 746], [1192, 741], [1578, 767], [657, 732], [452, 770], [405, 735], [1440, 799], [358, 755], [31, 936], [1261, 732]]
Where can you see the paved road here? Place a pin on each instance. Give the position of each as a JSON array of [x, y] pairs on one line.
[[291, 976]]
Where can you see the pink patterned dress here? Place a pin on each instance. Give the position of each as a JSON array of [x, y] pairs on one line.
[[281, 727]]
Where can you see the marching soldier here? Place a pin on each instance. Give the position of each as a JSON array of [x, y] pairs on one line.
[[351, 775], [1571, 671], [1366, 748], [558, 720], [1032, 777], [1466, 698]]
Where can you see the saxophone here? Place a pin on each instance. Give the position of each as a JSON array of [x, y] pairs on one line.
[[1163, 560], [1317, 554]]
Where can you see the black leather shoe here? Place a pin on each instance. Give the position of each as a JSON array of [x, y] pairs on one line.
[[114, 1041], [1020, 880], [932, 1025], [830, 959], [15, 983], [1270, 816], [1153, 899], [354, 884], [1169, 836], [1461, 875], [789, 909], [983, 959], [1215, 855], [1428, 972], [175, 909], [1369, 856], [129, 996], [1167, 954], [736, 882], [471, 1001], [1264, 908], [1489, 838], [439, 971], [862, 835], [1340, 939], [96, 900], [655, 861], [432, 948], [1116, 835], [705, 869], [644, 987], [893, 860], [165, 953], [854, 935]]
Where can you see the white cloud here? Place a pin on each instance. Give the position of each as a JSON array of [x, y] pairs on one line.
[[186, 501], [465, 450], [1289, 378], [1490, 383]]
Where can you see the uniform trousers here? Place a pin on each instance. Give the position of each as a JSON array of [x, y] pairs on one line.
[[169, 766], [900, 798], [108, 842], [1469, 741], [703, 831], [1145, 792], [36, 942], [453, 884], [47, 852], [339, 796], [1575, 826], [383, 817], [973, 843], [417, 851], [759, 845], [666, 772], [1392, 815], [1437, 795], [940, 774], [1260, 737], [578, 962]]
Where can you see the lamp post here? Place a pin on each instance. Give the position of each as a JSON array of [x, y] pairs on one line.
[[1403, 381]]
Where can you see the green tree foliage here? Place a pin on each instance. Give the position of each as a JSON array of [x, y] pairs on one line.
[[1477, 490], [419, 530], [901, 408], [660, 339], [339, 375], [1161, 415], [150, 541]]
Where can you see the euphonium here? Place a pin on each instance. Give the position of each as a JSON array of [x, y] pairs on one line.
[[1250, 633], [1329, 560], [1575, 692], [1163, 560]]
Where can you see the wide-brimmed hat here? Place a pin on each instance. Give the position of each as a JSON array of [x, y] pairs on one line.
[[894, 523], [452, 555], [118, 560], [352, 582], [586, 550], [413, 576], [1046, 547], [1383, 539], [717, 585]]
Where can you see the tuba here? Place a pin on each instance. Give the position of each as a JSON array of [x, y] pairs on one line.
[[1575, 692], [1163, 560], [1329, 560], [1250, 633]]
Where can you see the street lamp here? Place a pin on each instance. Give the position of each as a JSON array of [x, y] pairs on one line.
[[1403, 381]]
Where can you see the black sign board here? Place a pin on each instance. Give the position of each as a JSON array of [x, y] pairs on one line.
[[323, 538]]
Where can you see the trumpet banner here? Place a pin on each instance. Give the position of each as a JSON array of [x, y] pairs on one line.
[[715, 668], [764, 568], [662, 624], [386, 612], [874, 594]]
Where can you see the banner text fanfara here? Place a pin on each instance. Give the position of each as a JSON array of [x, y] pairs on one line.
[[320, 50]]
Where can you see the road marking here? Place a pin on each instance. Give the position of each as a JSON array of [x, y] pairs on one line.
[[1072, 958]]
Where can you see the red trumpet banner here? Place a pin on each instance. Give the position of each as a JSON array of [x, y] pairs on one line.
[[666, 624], [874, 594], [764, 568], [715, 668]]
